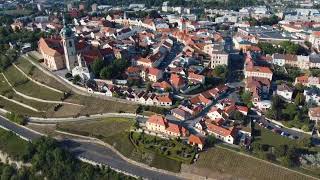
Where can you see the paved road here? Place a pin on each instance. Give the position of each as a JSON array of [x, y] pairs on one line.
[[91, 151]]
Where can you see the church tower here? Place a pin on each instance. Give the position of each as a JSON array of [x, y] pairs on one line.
[[69, 46]]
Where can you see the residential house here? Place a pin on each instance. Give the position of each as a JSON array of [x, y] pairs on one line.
[[259, 87], [196, 78], [197, 141], [200, 99], [314, 61], [312, 95], [258, 71], [284, 91], [162, 86], [215, 113], [154, 74], [177, 81], [227, 135], [164, 100], [180, 114], [159, 124], [308, 81], [217, 55], [314, 38], [314, 114]]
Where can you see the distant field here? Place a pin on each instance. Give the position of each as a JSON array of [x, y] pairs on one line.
[[115, 131], [225, 164]]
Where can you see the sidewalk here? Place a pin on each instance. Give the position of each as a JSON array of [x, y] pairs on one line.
[[81, 118]]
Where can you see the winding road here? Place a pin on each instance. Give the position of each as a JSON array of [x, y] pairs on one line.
[[94, 152]]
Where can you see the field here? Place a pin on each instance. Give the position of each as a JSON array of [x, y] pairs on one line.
[[225, 164], [115, 131]]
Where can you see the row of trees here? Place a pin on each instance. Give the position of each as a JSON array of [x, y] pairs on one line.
[[24, 36], [285, 47], [263, 21]]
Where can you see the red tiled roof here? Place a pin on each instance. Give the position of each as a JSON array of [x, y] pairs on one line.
[[164, 98], [220, 130], [157, 119], [193, 139], [173, 128], [176, 80], [154, 71], [259, 69]]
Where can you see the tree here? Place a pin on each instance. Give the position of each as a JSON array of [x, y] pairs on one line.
[[7, 172], [221, 71], [299, 99], [305, 142], [139, 109], [290, 111], [246, 97], [281, 150], [149, 87], [68, 75], [106, 73], [76, 79], [96, 67], [211, 140]]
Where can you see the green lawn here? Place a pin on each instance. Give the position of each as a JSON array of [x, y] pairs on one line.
[[221, 162], [14, 146], [115, 131], [23, 85], [271, 138]]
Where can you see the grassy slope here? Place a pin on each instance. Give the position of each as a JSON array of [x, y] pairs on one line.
[[92, 105], [23, 85]]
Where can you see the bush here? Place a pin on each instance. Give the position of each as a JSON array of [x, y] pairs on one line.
[[17, 118], [68, 75]]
